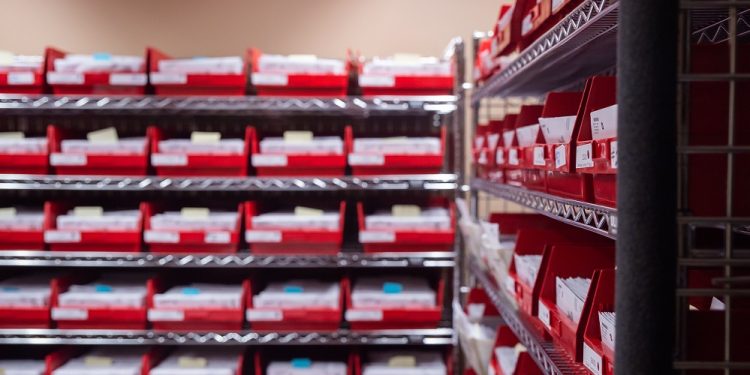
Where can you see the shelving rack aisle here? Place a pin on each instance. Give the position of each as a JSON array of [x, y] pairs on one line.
[[390, 115], [658, 240]]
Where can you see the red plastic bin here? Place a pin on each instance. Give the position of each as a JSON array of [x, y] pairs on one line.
[[536, 20], [294, 165], [359, 362], [398, 240], [197, 164], [598, 358], [185, 84], [525, 365], [263, 359], [23, 239], [507, 32], [314, 319], [121, 241], [504, 171], [189, 241], [93, 83], [96, 164], [528, 134], [27, 163], [316, 85], [368, 164], [377, 84], [28, 82], [30, 317]]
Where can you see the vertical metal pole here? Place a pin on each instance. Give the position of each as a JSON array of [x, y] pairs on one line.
[[646, 202]]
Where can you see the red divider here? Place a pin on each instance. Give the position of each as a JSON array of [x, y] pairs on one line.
[[597, 357], [316, 85], [368, 164], [92, 83], [151, 359], [56, 359], [294, 165], [89, 240], [190, 241], [167, 84]]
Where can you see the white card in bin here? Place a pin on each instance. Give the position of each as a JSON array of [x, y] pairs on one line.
[[68, 159], [353, 315], [365, 159], [63, 78], [21, 78], [557, 129], [539, 156], [371, 236], [166, 315], [604, 123], [560, 156], [169, 160], [152, 236], [492, 140], [513, 156], [270, 79], [613, 154], [127, 79], [62, 236], [544, 315], [168, 78], [263, 236], [218, 237], [508, 138], [584, 156], [377, 81], [65, 313], [592, 360], [264, 315], [270, 160]]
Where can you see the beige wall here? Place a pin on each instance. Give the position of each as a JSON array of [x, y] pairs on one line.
[[216, 27]]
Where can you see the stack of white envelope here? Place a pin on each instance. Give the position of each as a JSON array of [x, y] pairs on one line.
[[105, 361], [120, 147], [25, 291], [432, 218], [571, 294], [203, 361], [404, 363], [299, 64], [392, 292], [73, 63], [397, 145], [316, 146], [203, 65], [10, 62], [109, 220], [107, 292], [305, 366], [328, 220], [409, 66], [299, 294], [177, 220], [21, 219], [200, 295], [22, 366], [527, 268], [229, 146]]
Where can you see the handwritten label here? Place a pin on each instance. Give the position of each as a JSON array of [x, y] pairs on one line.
[[127, 79], [591, 360], [560, 156], [59, 78], [584, 156]]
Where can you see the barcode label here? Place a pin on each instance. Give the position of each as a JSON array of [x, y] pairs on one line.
[[68, 159], [61, 236], [584, 157]]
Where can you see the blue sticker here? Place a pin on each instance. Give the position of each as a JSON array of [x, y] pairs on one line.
[[301, 363], [102, 56], [11, 289], [102, 288], [392, 288], [191, 291], [293, 289]]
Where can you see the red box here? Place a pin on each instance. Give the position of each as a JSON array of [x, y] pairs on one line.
[[374, 85], [195, 164], [294, 165], [75, 317], [57, 359], [316, 319], [597, 158], [96, 164], [536, 20], [199, 319], [93, 83], [312, 241], [27, 163], [359, 362], [485, 63], [28, 82], [525, 364], [528, 133], [396, 318], [178, 84], [507, 32], [263, 359], [279, 84], [369, 164], [190, 241], [121, 241], [23, 239], [29, 317], [375, 241], [571, 261], [597, 357]]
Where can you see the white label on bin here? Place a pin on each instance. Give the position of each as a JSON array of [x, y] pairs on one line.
[[556, 4], [544, 315], [262, 236], [127, 79], [526, 25], [167, 160], [592, 360], [62, 236], [218, 237], [513, 156], [168, 78], [584, 156], [269, 79], [377, 81], [604, 123], [152, 236], [500, 157], [376, 237], [613, 154], [60, 313], [254, 315], [269, 161], [61, 78], [364, 315], [20, 78], [68, 159], [539, 156], [365, 159], [166, 315], [492, 140], [560, 156]]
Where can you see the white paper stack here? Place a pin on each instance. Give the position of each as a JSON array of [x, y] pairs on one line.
[[21, 219], [176, 220], [415, 66], [72, 63], [105, 361], [15, 143], [329, 220], [122, 146], [200, 296], [404, 363], [300, 64], [22, 366], [433, 218], [314, 368], [112, 291], [507, 357], [25, 291], [203, 65], [230, 146], [527, 268], [316, 146], [392, 292], [397, 145], [299, 294], [115, 220], [19, 63], [571, 295], [203, 361], [607, 329]]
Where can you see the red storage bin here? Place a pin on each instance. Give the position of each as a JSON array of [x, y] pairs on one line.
[[197, 164], [30, 317], [263, 359], [93, 83], [400, 240], [571, 261], [120, 241], [314, 241], [369, 164], [480, 152], [182, 84], [536, 20], [86, 317], [26, 163], [23, 81], [57, 359], [23, 239], [294, 165], [505, 171], [598, 358], [528, 134], [189, 241], [280, 84], [396, 318], [597, 157], [197, 318], [316, 319], [507, 33], [525, 365], [485, 62], [400, 84], [97, 164], [359, 362]]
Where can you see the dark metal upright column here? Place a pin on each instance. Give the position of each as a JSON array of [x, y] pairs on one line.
[[646, 202]]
